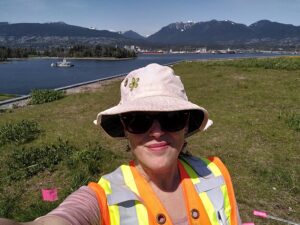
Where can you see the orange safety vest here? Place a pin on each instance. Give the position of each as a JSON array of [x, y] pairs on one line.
[[125, 197]]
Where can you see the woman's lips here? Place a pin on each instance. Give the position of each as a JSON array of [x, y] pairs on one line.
[[157, 146]]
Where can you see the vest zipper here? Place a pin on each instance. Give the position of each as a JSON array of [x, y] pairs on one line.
[[222, 218]]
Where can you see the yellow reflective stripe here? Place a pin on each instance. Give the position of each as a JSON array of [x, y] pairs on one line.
[[105, 184], [141, 211], [213, 167], [114, 214], [129, 179], [209, 208], [192, 173], [227, 205]]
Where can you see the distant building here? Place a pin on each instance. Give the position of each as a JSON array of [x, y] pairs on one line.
[[201, 50], [132, 48]]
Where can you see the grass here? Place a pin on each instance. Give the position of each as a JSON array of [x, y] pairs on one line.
[[4, 97], [256, 116]]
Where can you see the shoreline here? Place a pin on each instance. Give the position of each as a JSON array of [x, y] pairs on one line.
[[70, 58], [23, 100]]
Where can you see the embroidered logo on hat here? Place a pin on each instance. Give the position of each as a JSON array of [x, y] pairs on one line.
[[134, 83]]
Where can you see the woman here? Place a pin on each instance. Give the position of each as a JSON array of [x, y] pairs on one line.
[[163, 184]]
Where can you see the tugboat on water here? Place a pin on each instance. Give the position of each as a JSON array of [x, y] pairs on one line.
[[63, 63]]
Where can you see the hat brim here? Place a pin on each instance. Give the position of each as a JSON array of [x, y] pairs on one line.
[[111, 123]]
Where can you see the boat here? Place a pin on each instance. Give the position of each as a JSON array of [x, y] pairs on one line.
[[63, 63]]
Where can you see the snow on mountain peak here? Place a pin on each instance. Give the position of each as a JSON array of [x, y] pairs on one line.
[[182, 26]]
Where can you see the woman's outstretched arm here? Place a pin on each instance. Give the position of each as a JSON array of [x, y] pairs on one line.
[[45, 220], [80, 208]]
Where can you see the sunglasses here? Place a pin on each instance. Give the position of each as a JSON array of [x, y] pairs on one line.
[[140, 122]]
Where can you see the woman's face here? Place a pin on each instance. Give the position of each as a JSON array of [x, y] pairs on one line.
[[156, 150]]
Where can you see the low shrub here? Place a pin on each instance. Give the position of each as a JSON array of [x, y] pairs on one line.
[[40, 96], [27, 162], [19, 132], [91, 162], [94, 158]]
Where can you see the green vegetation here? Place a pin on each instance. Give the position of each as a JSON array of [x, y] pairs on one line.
[[23, 163], [40, 96], [75, 51], [292, 119], [255, 109], [6, 52], [4, 97], [19, 132], [100, 51], [279, 63]]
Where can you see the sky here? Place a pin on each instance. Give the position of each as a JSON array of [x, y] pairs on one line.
[[147, 16]]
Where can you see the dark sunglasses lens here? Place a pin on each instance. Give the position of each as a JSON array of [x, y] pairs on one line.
[[173, 121], [137, 123]]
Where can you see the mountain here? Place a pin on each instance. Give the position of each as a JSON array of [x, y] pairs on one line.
[[262, 34], [133, 35], [274, 30], [173, 33], [59, 29], [226, 33], [202, 32], [57, 33]]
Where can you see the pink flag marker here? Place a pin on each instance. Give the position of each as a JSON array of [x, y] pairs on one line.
[[248, 224], [49, 194], [260, 214], [265, 215]]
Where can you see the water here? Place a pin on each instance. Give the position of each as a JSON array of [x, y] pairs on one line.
[[21, 76]]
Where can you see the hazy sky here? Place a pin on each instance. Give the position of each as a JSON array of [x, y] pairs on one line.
[[147, 16]]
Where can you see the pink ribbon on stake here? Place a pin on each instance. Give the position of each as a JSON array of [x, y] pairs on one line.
[[49, 194], [265, 215], [260, 214]]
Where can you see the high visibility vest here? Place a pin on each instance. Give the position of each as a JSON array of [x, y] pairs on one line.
[[125, 198]]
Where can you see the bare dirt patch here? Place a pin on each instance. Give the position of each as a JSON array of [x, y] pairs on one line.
[[91, 87]]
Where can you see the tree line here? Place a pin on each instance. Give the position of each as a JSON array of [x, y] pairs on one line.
[[6, 52], [100, 51], [81, 51]]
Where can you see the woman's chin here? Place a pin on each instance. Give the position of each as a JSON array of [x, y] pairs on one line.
[[159, 164]]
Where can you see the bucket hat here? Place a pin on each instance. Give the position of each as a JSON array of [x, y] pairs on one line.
[[152, 88]]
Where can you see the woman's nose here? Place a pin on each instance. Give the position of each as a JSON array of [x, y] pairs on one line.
[[155, 129]]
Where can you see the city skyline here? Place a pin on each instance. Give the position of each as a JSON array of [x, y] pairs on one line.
[[147, 17]]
